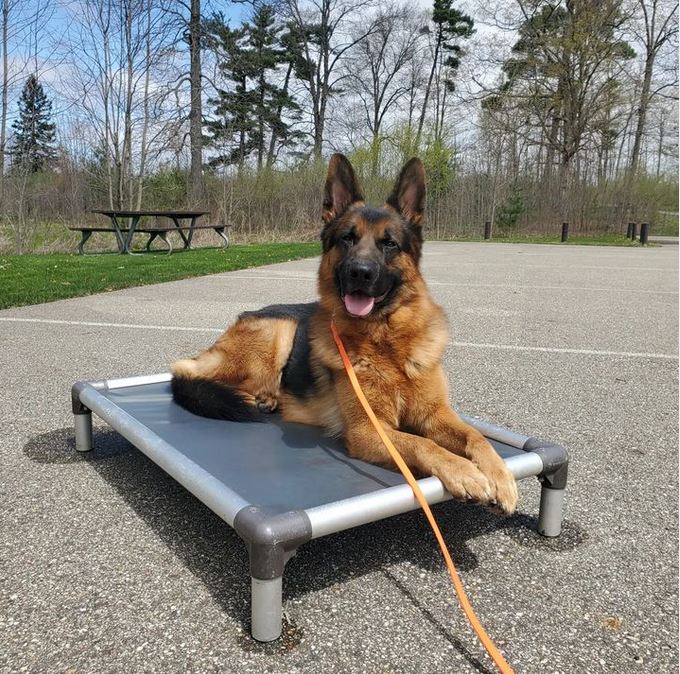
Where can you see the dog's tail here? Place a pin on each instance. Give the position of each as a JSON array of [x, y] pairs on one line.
[[208, 398]]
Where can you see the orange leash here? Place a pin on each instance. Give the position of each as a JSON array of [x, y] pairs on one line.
[[491, 648]]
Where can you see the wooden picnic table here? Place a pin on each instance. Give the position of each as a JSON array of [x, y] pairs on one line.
[[124, 233]]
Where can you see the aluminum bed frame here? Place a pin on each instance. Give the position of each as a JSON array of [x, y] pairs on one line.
[[280, 485]]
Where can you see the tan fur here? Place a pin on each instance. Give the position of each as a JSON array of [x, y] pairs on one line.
[[249, 356], [397, 357]]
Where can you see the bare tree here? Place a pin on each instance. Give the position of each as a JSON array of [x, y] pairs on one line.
[[195, 115], [321, 40], [117, 50], [563, 74], [379, 71], [5, 89], [659, 28]]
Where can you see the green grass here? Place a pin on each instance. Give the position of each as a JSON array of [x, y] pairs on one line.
[[31, 279]]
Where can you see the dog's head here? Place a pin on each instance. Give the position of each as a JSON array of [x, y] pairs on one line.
[[371, 255]]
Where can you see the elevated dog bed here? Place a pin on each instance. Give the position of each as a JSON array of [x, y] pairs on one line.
[[280, 485]]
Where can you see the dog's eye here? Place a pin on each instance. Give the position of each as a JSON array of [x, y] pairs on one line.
[[348, 237], [389, 244]]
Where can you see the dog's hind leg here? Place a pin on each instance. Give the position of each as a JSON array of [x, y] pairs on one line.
[[249, 357]]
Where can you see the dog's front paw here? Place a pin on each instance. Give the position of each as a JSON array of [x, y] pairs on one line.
[[466, 482], [503, 487]]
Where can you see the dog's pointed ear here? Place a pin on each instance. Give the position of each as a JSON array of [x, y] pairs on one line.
[[408, 195], [342, 188]]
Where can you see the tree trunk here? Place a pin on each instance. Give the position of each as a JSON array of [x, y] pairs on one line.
[[318, 140], [319, 105], [279, 111], [108, 133], [145, 123], [423, 112], [195, 115], [323, 81], [5, 83], [550, 149], [441, 115], [642, 112], [260, 123], [126, 170], [241, 125], [658, 158]]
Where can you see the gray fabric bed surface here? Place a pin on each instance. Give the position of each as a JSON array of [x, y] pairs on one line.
[[280, 466]]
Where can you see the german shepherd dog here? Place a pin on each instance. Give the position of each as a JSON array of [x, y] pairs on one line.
[[283, 357]]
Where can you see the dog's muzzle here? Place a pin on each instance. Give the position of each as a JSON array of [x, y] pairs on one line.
[[361, 282]]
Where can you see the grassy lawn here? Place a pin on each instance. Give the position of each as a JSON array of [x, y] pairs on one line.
[[31, 279]]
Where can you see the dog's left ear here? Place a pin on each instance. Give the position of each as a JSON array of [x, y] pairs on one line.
[[408, 195]]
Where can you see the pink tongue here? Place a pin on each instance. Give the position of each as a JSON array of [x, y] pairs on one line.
[[359, 304]]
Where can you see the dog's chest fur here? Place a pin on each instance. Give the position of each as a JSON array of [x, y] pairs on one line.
[[394, 361]]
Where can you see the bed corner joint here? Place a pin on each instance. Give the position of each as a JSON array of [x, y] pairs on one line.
[[271, 539]]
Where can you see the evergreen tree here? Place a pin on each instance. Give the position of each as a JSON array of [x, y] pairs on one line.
[[450, 26], [560, 72], [510, 212], [254, 107], [33, 147], [231, 131]]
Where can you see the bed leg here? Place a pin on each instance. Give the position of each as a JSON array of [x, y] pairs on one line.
[[553, 481], [83, 426], [266, 608], [550, 511], [82, 418]]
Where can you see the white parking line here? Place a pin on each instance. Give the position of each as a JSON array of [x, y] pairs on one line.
[[563, 288], [513, 265], [585, 352], [261, 277], [464, 345], [93, 324]]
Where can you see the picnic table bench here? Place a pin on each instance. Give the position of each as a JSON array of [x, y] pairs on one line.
[[124, 233]]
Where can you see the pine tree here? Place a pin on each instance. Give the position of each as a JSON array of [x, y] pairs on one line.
[[253, 107], [450, 26], [33, 147], [231, 130], [510, 212]]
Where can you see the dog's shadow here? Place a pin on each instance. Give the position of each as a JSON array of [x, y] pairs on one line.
[[213, 552]]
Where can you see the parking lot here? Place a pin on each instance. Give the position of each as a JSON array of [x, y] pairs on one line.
[[107, 565]]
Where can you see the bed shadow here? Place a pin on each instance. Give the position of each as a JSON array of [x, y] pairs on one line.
[[211, 550]]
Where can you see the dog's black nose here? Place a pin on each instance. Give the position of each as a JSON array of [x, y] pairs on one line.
[[363, 272]]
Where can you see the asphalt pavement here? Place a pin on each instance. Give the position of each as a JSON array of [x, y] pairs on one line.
[[108, 565]]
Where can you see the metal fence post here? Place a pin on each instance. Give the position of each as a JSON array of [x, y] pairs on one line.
[[644, 233], [487, 230], [629, 232], [633, 231], [565, 231]]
